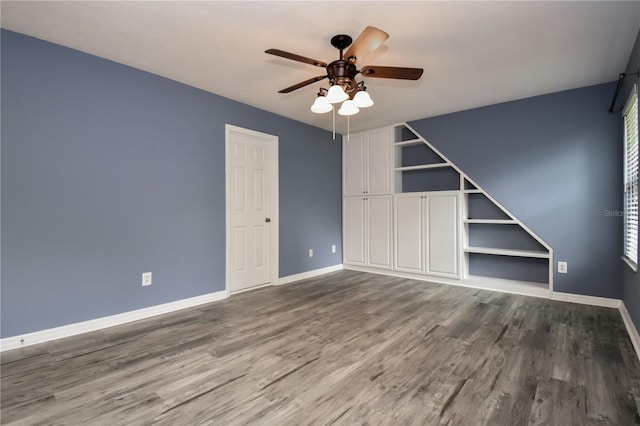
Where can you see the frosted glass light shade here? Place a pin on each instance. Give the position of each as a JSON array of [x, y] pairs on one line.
[[362, 99], [321, 105], [336, 94], [348, 108]]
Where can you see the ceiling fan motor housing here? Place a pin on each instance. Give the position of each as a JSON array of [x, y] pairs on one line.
[[343, 73]]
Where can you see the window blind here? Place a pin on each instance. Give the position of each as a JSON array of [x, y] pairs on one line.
[[631, 179]]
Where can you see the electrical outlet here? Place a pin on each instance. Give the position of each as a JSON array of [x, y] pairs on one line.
[[333, 248], [562, 267], [146, 278], [310, 252]]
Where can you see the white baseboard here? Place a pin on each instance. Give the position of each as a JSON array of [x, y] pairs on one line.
[[29, 339], [401, 274], [586, 300], [42, 336], [309, 274], [500, 285], [21, 341], [631, 329], [491, 284]]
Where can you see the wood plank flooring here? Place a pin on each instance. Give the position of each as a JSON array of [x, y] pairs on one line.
[[342, 349]]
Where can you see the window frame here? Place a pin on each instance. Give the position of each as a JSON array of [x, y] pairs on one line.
[[630, 181]]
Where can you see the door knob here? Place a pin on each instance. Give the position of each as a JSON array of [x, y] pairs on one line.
[[268, 220]]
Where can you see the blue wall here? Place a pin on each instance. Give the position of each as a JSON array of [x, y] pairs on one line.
[[554, 162], [630, 279], [108, 172]]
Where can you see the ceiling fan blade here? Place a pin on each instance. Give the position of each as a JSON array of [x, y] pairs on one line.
[[368, 41], [302, 84], [295, 57], [392, 72]]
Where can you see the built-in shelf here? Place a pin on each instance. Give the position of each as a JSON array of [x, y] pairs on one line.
[[410, 142], [508, 252], [418, 167], [422, 167], [529, 288], [492, 221]]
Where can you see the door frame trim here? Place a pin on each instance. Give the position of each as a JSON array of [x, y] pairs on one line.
[[273, 143]]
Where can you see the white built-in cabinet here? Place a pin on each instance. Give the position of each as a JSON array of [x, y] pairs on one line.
[[367, 163], [368, 231], [427, 234], [368, 201], [407, 208]]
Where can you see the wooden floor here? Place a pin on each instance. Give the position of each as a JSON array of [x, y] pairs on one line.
[[346, 348]]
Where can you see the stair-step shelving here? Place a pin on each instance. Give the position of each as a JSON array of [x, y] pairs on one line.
[[498, 246], [494, 244], [443, 227]]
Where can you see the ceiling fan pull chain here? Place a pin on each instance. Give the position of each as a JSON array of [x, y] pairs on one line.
[[348, 131], [334, 123]]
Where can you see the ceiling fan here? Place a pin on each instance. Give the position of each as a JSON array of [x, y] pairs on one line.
[[342, 72]]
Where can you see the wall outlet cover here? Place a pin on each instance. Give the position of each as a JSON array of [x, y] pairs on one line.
[[562, 267], [146, 278]]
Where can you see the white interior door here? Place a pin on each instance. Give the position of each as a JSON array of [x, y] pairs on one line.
[[250, 208]]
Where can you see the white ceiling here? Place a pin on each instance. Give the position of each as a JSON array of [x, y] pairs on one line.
[[473, 53]]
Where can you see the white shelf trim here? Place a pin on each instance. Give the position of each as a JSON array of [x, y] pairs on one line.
[[508, 252], [423, 167], [492, 221], [473, 191], [409, 142]]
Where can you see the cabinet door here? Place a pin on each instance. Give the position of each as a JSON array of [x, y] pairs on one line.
[[378, 170], [379, 230], [353, 162], [354, 231], [408, 233], [442, 235]]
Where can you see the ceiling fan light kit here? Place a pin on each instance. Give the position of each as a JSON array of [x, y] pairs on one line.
[[342, 73]]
